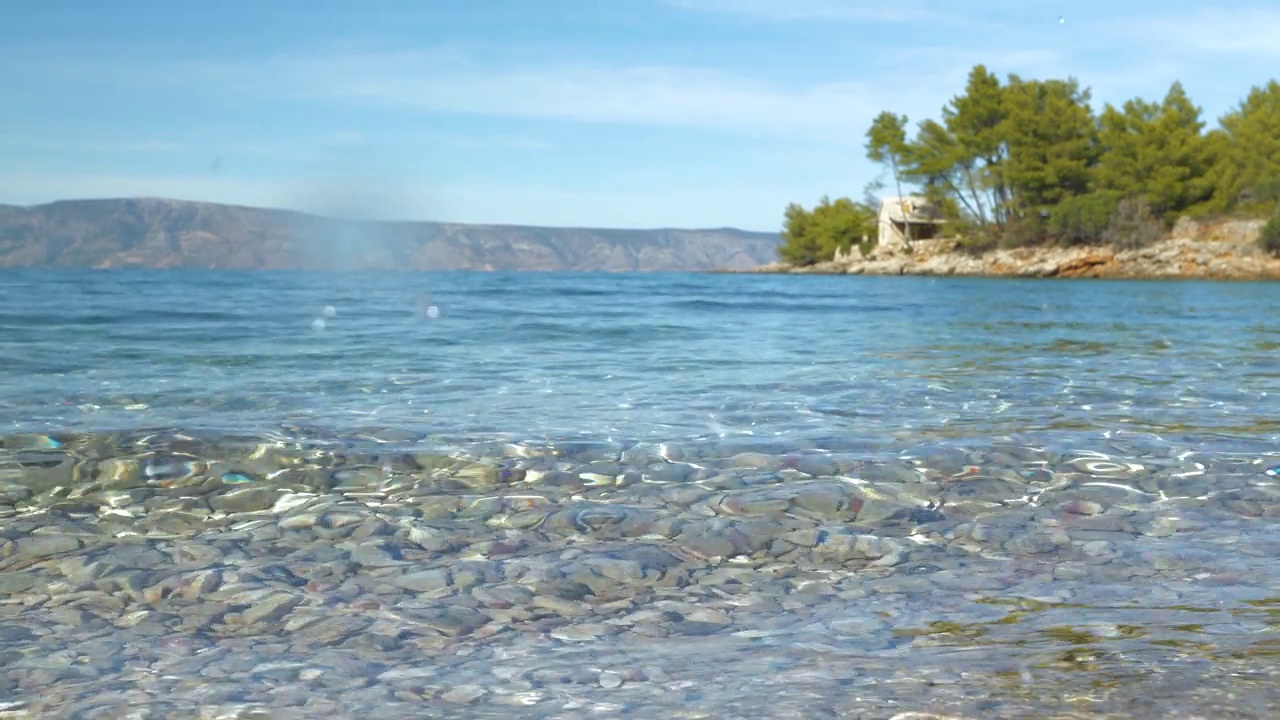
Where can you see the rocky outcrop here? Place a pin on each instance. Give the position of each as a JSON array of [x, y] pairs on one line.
[[148, 232], [1219, 250]]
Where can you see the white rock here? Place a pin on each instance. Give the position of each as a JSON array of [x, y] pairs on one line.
[[291, 501], [464, 694]]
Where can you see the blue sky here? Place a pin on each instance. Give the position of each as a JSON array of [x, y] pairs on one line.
[[618, 113]]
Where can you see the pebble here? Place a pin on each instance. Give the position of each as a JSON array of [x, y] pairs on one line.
[[376, 555], [40, 546], [1096, 548], [424, 580], [581, 632], [610, 679], [12, 583], [278, 583], [407, 673], [271, 609], [707, 615], [464, 694], [15, 634], [246, 500]]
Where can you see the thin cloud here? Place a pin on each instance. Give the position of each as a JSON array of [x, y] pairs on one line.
[[650, 95], [359, 105], [474, 81]]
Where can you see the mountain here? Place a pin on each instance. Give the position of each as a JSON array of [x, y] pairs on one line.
[[150, 232]]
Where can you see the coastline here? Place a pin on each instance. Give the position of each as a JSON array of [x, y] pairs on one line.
[[1193, 249]]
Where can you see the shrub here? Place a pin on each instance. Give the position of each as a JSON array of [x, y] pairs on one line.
[[1083, 219], [1021, 231], [978, 243], [812, 236], [1133, 225], [1269, 239], [1263, 197]]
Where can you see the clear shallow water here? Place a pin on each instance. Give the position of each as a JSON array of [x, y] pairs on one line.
[[1063, 484], [625, 357]]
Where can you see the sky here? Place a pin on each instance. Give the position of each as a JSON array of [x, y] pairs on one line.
[[588, 113]]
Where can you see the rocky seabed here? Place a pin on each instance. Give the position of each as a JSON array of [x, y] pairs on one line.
[[164, 576]]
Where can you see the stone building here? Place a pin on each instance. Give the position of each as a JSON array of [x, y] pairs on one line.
[[912, 216]]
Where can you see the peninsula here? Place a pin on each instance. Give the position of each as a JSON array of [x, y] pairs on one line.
[[1027, 178], [1194, 249]]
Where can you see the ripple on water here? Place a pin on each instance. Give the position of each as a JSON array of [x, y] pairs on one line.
[[549, 507]]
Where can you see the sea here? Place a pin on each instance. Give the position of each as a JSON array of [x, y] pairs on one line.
[[855, 496]]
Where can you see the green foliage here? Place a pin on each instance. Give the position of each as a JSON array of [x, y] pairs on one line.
[[962, 157], [1007, 152], [1083, 219], [1156, 151], [1050, 133], [814, 236], [799, 243], [1267, 192], [978, 239], [1270, 237], [1248, 162], [1027, 160], [935, 163], [1105, 217], [887, 140], [1133, 225], [975, 118], [887, 144], [1022, 230], [975, 122]]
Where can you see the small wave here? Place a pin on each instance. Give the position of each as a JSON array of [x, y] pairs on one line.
[[800, 308]]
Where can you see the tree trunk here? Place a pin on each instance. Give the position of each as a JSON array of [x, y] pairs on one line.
[[902, 206]]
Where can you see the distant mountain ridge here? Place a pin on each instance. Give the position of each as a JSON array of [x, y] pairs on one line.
[[161, 233]]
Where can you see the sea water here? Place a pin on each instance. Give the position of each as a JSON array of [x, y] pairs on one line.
[[1078, 510]]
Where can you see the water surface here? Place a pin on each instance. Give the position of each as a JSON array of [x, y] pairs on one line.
[[1068, 478]]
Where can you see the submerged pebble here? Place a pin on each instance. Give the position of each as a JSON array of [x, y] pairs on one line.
[[452, 580]]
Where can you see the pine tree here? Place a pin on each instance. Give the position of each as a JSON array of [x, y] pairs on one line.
[[1156, 152], [1247, 171], [1051, 137], [887, 143]]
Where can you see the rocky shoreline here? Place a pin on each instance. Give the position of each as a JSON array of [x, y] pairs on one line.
[[1209, 250]]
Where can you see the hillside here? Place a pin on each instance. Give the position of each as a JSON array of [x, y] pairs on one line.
[[149, 232]]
